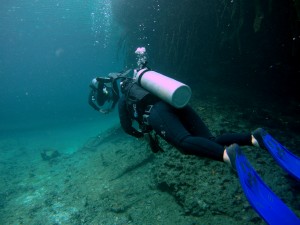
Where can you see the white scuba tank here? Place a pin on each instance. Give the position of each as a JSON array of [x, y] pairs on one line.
[[171, 91]]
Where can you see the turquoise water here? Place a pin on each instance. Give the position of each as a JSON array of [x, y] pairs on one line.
[[49, 53]]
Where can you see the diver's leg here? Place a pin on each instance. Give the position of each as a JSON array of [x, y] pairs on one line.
[[165, 121], [202, 147], [193, 122], [234, 138], [196, 127]]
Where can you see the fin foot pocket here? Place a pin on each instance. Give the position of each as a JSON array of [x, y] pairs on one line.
[[260, 196]]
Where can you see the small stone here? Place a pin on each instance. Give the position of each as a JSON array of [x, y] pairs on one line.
[[49, 154]]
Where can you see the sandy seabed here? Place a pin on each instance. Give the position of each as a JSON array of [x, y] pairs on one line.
[[112, 178]]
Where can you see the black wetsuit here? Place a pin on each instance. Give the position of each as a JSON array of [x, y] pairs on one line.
[[182, 128]]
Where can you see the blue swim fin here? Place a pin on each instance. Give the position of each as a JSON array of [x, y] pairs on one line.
[[286, 159], [260, 196]]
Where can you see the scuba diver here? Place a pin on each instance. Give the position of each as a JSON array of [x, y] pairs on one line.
[[104, 89], [160, 104], [179, 126]]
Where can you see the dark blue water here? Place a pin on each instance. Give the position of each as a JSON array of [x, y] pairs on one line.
[[50, 50]]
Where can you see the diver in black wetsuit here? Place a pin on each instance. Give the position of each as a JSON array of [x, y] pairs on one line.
[[104, 89], [182, 128]]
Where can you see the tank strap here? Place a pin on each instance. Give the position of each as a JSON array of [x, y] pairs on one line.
[[141, 75], [146, 114]]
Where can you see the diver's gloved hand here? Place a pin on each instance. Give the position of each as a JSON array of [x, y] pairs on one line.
[[153, 142], [137, 134], [104, 111]]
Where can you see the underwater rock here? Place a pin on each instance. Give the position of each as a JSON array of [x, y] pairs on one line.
[[49, 154], [202, 187]]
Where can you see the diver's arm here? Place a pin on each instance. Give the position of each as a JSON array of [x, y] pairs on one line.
[[92, 99], [114, 76], [126, 121], [104, 80], [123, 74]]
